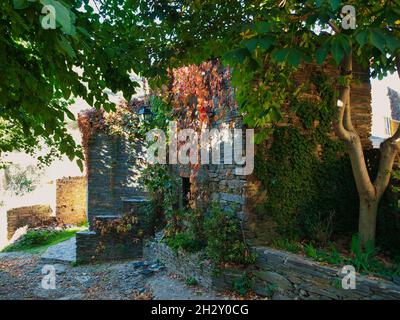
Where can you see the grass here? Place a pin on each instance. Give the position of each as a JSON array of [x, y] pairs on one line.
[[39, 241], [367, 261]]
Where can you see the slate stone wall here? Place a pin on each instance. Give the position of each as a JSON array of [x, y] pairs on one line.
[[112, 175], [92, 247], [276, 274]]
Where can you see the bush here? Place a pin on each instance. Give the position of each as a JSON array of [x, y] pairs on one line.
[[185, 241], [225, 243]]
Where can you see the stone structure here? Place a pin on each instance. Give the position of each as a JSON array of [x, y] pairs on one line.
[[71, 200], [244, 192], [113, 175], [31, 216], [114, 189], [276, 274]]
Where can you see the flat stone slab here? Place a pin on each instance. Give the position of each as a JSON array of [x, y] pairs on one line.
[[63, 252]]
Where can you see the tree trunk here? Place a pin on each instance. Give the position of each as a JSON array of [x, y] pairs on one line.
[[369, 192], [367, 221]]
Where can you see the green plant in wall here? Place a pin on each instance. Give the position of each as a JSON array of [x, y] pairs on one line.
[[243, 285], [225, 242], [299, 170], [191, 281]]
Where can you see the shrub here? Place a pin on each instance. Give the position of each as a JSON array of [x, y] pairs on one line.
[[225, 243], [185, 241]]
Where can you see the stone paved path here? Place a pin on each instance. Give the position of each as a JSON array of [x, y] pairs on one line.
[[64, 252], [21, 278]]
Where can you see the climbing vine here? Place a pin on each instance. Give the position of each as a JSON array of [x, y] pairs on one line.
[[123, 121], [300, 170]]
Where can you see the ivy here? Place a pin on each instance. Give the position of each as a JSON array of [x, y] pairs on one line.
[[305, 172]]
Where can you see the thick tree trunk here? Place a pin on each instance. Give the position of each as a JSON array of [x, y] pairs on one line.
[[367, 221]]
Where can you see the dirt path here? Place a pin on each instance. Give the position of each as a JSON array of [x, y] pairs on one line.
[[21, 278]]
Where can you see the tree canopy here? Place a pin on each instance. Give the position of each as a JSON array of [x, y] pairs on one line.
[[95, 46], [42, 69]]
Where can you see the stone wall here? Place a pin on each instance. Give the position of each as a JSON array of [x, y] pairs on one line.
[[71, 197], [91, 247], [31, 216], [219, 182], [276, 274], [113, 175]]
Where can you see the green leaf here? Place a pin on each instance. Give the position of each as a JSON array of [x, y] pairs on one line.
[[261, 27], [253, 43], [294, 57], [64, 16], [265, 42], [236, 56], [362, 37], [337, 50], [66, 47], [250, 44], [275, 115], [83, 31], [344, 41], [80, 164], [21, 4], [377, 39], [69, 114], [322, 53], [392, 43], [280, 55], [335, 4]]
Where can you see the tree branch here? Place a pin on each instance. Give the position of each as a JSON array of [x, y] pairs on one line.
[[345, 131], [343, 122], [334, 27], [389, 149]]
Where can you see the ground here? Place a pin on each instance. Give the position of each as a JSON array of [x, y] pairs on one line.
[[21, 278]]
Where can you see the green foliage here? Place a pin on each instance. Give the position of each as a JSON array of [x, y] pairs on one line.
[[258, 38], [243, 284], [388, 219], [225, 243], [287, 245], [191, 281], [43, 68], [331, 256], [38, 241], [305, 172], [363, 259], [184, 240]]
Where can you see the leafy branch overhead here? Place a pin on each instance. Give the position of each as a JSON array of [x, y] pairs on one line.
[[42, 69]]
